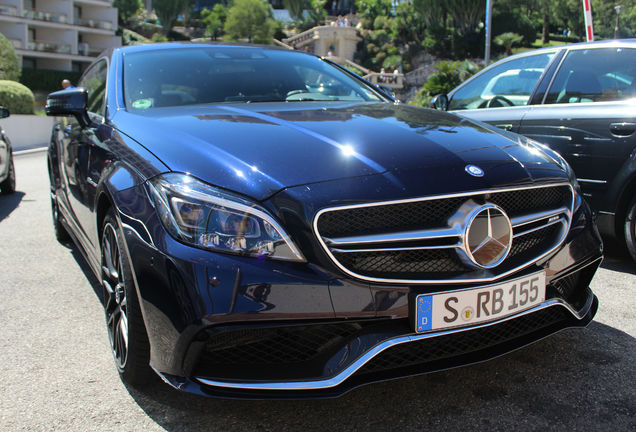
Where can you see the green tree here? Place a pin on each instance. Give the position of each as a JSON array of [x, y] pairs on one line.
[[507, 40], [295, 8], [187, 9], [369, 10], [316, 15], [466, 14], [126, 9], [251, 19], [167, 11], [214, 20], [432, 12], [9, 62]]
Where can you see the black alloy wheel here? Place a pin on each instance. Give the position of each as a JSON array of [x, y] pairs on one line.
[[630, 228], [126, 329], [8, 185]]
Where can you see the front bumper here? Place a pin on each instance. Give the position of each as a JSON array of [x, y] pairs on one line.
[[229, 326], [408, 355]]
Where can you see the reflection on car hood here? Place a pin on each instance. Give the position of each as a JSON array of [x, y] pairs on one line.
[[259, 149]]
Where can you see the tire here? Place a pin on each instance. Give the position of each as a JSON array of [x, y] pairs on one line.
[[630, 228], [8, 185], [126, 329], [61, 235]]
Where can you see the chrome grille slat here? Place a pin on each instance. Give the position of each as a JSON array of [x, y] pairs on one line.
[[560, 220], [358, 255], [393, 249]]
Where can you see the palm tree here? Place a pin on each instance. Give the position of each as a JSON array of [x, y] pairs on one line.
[[507, 40]]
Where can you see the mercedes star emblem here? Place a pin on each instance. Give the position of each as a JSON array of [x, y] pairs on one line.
[[488, 236], [474, 170]]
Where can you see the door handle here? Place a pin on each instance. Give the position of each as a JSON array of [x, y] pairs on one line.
[[506, 127], [623, 129]]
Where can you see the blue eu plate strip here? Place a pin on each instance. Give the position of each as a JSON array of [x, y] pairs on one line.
[[424, 313]]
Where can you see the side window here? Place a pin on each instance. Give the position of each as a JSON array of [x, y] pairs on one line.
[[94, 80], [508, 84], [595, 75]]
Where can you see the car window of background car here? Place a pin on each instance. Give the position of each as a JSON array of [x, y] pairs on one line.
[[94, 80], [595, 75], [212, 75], [513, 80]]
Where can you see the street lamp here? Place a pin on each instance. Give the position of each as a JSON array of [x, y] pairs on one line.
[[618, 14]]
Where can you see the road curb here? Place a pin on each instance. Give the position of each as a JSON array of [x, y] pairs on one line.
[[29, 151]]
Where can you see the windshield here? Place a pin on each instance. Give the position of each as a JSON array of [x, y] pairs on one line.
[[201, 75]]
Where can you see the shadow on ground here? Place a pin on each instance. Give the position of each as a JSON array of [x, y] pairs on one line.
[[8, 203]]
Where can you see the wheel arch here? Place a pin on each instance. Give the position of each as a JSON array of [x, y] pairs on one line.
[[104, 203], [628, 191]]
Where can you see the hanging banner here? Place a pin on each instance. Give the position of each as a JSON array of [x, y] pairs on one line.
[[589, 28]]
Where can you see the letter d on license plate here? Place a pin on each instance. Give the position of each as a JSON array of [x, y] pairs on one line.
[[472, 306]]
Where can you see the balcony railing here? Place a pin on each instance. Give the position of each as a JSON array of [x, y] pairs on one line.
[[392, 80], [98, 24], [45, 16], [90, 51], [17, 43], [8, 10], [51, 47]]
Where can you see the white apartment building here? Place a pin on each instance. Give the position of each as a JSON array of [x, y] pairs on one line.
[[59, 34]]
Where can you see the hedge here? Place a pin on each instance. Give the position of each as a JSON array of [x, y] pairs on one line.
[[16, 97], [47, 80]]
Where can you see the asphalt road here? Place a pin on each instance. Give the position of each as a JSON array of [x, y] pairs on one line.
[[57, 373]]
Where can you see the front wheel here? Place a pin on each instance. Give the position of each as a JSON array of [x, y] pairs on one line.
[[8, 185], [126, 329], [630, 228]]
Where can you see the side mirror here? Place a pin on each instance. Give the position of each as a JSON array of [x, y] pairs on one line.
[[439, 102], [4, 112], [71, 101]]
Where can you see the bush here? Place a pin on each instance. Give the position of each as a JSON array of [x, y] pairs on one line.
[[16, 97], [448, 75], [47, 80], [510, 22], [159, 37], [9, 62], [392, 62]]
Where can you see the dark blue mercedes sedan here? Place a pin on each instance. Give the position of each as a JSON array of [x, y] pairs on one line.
[[266, 224]]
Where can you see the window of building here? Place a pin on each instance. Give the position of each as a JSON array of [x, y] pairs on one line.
[[28, 63], [77, 66]]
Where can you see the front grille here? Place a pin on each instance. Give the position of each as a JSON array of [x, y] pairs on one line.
[[406, 264], [434, 212], [438, 348], [371, 241]]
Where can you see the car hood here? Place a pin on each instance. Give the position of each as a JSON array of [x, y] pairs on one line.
[[259, 149]]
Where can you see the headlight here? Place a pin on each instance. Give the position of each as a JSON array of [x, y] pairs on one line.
[[209, 218]]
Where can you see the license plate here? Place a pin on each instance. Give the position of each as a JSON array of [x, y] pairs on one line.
[[476, 305]]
